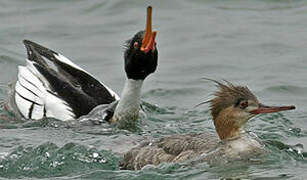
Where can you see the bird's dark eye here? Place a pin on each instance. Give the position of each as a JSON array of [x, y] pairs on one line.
[[243, 104], [136, 45]]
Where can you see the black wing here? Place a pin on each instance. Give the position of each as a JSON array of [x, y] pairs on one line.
[[81, 91]]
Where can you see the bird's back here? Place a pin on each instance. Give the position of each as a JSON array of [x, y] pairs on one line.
[[176, 148]]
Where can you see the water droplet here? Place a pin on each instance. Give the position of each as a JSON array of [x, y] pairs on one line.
[[95, 155], [298, 148], [102, 160], [26, 168], [14, 156]]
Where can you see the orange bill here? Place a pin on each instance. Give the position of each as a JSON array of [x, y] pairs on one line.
[[148, 42]]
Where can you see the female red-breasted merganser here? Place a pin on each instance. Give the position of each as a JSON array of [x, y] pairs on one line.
[[232, 107], [65, 91]]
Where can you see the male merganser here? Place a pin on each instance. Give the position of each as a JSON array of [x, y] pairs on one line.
[[231, 108], [50, 85]]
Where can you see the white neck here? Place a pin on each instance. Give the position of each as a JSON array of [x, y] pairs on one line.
[[129, 104], [246, 143]]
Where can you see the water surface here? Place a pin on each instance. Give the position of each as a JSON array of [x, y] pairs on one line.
[[258, 43]]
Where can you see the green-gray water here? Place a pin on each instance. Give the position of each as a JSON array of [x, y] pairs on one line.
[[259, 43]]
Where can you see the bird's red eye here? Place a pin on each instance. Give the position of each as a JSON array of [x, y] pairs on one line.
[[243, 104], [136, 45]]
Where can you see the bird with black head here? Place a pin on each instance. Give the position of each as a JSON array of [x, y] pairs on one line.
[[50, 85]]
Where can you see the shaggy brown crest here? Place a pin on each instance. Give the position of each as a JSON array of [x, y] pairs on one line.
[[228, 95]]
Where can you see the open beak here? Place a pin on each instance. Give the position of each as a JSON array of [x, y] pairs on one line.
[[148, 42], [270, 109]]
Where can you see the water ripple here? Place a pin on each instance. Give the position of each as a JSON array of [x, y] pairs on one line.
[[49, 160]]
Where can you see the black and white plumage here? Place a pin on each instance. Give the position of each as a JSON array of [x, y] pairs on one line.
[[50, 85], [64, 92]]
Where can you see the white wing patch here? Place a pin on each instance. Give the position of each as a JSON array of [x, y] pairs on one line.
[[33, 97], [57, 108], [65, 60]]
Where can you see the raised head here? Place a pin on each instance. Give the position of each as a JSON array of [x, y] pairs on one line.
[[141, 55], [233, 106]]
